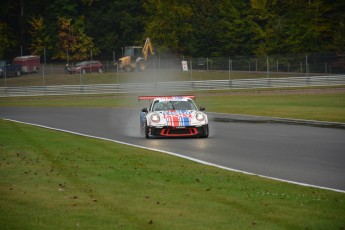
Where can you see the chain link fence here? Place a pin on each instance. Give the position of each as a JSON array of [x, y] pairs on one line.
[[298, 64], [163, 67]]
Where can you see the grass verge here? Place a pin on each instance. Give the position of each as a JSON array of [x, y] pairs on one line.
[[322, 104], [50, 183], [57, 77]]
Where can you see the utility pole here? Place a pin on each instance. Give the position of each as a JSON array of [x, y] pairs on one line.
[[21, 26]]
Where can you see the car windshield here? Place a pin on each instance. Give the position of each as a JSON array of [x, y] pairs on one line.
[[173, 105]]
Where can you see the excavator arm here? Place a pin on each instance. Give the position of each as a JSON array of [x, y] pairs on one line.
[[146, 48]]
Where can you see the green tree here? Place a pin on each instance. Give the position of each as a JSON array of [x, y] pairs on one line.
[[263, 16], [73, 43], [5, 40], [293, 26], [205, 16], [39, 38], [236, 31], [115, 24], [191, 28], [169, 25]]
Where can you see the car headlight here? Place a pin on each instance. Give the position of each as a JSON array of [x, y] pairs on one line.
[[200, 116], [155, 118]]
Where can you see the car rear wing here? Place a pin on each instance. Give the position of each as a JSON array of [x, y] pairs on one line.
[[141, 98]]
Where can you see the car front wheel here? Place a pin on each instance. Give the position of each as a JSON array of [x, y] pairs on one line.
[[142, 128], [206, 132], [146, 131]]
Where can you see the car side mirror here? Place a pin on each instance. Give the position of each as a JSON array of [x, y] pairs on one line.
[[144, 110], [202, 108]]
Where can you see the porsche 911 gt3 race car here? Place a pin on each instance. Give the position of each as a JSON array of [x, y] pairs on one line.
[[173, 116]]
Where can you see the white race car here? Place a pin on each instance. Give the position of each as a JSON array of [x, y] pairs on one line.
[[173, 116]]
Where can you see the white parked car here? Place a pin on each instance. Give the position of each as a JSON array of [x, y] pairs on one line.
[[173, 116]]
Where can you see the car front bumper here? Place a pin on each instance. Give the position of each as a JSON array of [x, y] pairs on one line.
[[179, 131]]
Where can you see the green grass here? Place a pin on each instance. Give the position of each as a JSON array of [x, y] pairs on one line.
[[323, 107], [60, 78], [52, 180], [73, 101], [328, 104]]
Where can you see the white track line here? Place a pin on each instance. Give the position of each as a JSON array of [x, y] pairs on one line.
[[178, 155]]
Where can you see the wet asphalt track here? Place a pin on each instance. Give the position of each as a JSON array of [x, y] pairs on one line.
[[299, 153]]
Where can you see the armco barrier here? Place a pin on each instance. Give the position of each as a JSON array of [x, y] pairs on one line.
[[157, 87]]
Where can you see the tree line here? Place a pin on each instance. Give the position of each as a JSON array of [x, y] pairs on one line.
[[195, 28]]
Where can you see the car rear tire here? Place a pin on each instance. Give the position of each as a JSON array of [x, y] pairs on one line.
[[100, 70], [127, 68], [83, 71]]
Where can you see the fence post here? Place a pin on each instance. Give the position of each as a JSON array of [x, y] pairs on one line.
[[229, 68], [44, 53], [268, 67], [191, 69], [80, 79], [306, 65], [117, 74], [114, 58], [307, 69], [159, 62], [5, 77], [43, 75]]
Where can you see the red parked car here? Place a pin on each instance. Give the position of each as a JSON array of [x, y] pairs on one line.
[[86, 67]]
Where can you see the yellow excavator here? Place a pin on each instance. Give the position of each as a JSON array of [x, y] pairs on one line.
[[135, 57]]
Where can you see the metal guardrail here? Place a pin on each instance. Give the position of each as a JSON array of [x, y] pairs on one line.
[[156, 87]]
